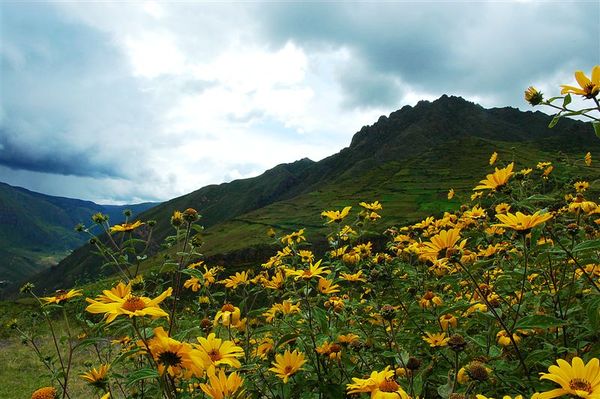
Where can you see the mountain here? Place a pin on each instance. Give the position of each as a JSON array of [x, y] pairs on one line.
[[407, 160], [37, 230]]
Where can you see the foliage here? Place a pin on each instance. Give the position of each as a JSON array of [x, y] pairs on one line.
[[468, 302], [475, 302]]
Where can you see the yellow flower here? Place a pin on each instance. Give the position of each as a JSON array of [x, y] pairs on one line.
[[129, 305], [502, 208], [496, 180], [363, 250], [174, 357], [177, 219], [476, 212], [448, 320], [576, 379], [358, 276], [589, 88], [287, 364], [326, 286], [221, 386], [462, 376], [345, 234], [236, 280], [543, 165], [306, 255], [429, 299], [228, 315], [372, 216], [276, 282], [97, 378], [61, 296], [493, 158], [314, 270], [547, 171], [380, 384], [106, 396], [450, 193], [374, 206], [347, 339], [44, 393], [336, 216], [193, 283], [533, 96], [209, 275], [522, 222], [126, 227], [581, 186], [504, 340], [442, 243], [579, 203], [588, 159], [215, 352], [525, 171], [285, 308], [265, 346], [434, 340], [120, 291], [294, 238]]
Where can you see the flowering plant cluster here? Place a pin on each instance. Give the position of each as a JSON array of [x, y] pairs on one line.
[[500, 298], [588, 89]]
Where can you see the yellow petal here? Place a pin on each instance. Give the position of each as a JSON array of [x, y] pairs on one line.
[[582, 79], [596, 75]]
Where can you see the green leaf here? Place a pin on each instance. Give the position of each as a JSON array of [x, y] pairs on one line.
[[566, 100], [141, 374], [445, 390], [286, 338], [596, 126], [593, 313], [479, 340], [334, 391], [587, 245], [539, 321], [389, 354], [554, 120]]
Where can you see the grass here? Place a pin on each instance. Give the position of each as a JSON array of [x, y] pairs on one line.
[[22, 370]]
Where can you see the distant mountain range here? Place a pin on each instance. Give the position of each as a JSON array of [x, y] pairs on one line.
[[37, 230], [407, 160]]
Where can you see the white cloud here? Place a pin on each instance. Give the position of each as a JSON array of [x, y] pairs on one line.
[[153, 54], [164, 98]]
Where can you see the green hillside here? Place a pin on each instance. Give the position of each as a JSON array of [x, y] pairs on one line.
[[37, 230], [408, 161]]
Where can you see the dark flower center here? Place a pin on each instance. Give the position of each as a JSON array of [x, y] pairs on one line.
[[215, 355], [169, 358], [580, 384], [389, 386], [134, 303]]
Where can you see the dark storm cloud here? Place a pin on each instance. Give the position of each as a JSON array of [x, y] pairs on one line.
[[67, 103], [52, 160], [475, 48]]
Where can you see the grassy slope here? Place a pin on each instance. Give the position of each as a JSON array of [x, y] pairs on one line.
[[407, 160], [36, 230]]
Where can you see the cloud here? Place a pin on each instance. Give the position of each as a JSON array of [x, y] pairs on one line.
[[151, 100], [484, 49]]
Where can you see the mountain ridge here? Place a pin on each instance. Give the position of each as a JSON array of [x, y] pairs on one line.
[[389, 160], [37, 229]]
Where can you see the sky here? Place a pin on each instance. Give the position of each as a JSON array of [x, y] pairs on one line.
[[125, 102]]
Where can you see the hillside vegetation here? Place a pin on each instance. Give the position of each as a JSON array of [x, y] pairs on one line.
[[37, 230], [407, 160]]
